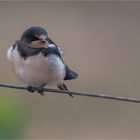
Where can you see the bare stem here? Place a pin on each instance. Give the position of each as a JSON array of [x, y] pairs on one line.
[[98, 95]]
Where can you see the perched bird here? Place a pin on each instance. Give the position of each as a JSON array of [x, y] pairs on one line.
[[37, 61]]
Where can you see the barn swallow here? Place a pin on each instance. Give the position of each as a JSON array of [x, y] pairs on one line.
[[37, 61]]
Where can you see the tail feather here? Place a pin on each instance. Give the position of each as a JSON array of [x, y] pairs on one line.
[[70, 74]]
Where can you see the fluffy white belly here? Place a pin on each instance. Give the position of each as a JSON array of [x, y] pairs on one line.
[[37, 70]]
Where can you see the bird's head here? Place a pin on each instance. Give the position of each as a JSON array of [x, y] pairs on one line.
[[35, 37]]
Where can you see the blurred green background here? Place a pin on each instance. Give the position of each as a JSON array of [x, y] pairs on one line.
[[101, 41]]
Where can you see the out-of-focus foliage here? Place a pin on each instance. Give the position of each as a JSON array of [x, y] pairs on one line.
[[11, 118]]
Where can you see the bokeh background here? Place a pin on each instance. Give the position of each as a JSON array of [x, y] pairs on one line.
[[101, 41]]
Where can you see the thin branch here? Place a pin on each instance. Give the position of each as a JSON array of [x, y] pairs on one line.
[[98, 95]]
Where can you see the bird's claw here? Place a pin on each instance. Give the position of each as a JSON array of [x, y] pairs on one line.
[[41, 91], [31, 89]]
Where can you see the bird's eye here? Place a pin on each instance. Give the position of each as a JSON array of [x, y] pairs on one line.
[[34, 38]]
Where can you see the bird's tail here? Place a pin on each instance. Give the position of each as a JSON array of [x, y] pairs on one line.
[[70, 74]]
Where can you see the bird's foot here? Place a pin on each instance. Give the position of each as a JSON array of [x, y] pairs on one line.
[[70, 95], [41, 90], [31, 89], [64, 87]]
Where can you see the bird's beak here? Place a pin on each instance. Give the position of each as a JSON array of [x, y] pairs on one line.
[[42, 40]]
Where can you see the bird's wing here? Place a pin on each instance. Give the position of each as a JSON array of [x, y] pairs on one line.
[[69, 73], [52, 42], [60, 51], [9, 52]]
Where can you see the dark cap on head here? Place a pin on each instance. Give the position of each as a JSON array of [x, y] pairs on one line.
[[32, 31]]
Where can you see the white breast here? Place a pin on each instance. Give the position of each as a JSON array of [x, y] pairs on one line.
[[37, 70]]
